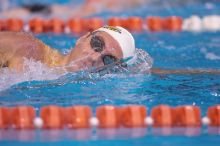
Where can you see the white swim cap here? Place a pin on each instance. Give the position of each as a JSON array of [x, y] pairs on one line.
[[123, 37]]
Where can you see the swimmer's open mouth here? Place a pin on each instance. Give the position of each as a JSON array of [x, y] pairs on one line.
[[141, 62], [109, 68]]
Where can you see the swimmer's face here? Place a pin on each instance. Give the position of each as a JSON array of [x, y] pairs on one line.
[[96, 49]]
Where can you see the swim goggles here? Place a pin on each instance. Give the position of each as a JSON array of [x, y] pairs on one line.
[[97, 44]]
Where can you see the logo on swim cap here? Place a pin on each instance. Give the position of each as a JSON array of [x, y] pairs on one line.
[[112, 28], [123, 37]]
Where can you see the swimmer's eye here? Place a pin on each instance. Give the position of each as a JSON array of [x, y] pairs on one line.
[[108, 59], [97, 43]]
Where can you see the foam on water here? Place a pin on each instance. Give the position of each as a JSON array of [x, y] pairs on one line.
[[33, 71], [210, 55]]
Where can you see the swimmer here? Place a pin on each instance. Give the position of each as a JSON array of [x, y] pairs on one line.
[[96, 49], [103, 47], [86, 8]]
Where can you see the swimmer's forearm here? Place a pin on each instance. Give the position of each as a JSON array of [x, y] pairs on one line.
[[185, 71]]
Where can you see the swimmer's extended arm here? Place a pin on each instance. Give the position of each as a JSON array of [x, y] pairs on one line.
[[15, 46], [184, 71]]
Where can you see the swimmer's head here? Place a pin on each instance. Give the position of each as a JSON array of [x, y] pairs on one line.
[[123, 37], [103, 46]]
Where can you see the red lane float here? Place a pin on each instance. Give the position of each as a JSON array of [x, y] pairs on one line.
[[155, 23], [214, 115], [53, 117], [108, 116], [135, 24], [116, 21], [4, 117], [76, 25], [36, 25], [22, 117], [187, 116], [133, 116], [14, 24], [163, 116], [173, 23], [78, 116], [93, 24], [55, 25]]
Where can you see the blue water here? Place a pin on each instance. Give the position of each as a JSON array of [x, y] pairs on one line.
[[168, 50]]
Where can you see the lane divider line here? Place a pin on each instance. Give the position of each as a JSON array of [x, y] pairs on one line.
[[134, 24], [107, 116]]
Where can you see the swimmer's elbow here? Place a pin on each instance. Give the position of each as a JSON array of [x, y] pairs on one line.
[[16, 64]]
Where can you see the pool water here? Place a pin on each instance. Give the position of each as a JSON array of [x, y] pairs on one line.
[[169, 51]]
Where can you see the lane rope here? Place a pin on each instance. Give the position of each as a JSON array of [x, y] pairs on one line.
[[107, 116], [194, 23]]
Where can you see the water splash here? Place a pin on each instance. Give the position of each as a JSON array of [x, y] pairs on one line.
[[36, 71], [210, 55], [139, 64], [33, 71]]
